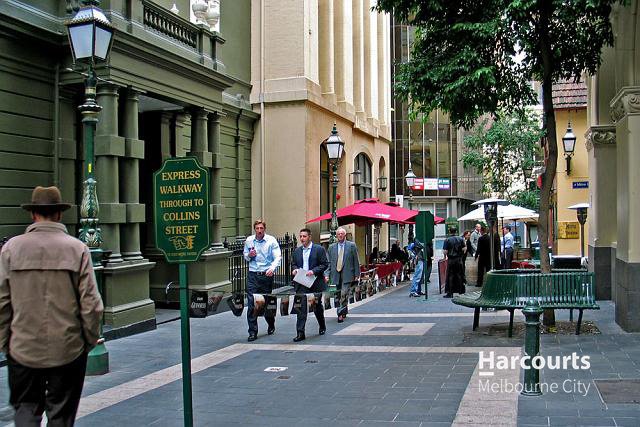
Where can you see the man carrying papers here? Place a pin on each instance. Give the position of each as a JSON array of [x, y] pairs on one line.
[[313, 259]]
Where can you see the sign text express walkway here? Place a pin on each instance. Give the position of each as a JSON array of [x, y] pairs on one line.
[[181, 196]]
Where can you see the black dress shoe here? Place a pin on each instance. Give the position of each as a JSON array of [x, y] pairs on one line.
[[322, 331], [271, 330], [252, 337], [448, 296], [299, 337]]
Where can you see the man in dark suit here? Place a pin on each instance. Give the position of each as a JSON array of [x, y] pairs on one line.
[[312, 258], [483, 254], [344, 269]]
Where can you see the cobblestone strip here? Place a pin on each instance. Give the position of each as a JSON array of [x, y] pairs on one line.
[[485, 401], [128, 390]]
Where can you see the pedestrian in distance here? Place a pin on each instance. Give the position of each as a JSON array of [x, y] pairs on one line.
[[343, 271], [469, 252], [483, 254], [428, 251], [417, 249], [263, 254], [312, 258], [475, 235], [50, 314], [507, 247], [454, 249]]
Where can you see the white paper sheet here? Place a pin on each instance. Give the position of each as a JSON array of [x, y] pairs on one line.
[[302, 278]]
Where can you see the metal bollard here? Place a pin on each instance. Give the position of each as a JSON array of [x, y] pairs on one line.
[[532, 312]]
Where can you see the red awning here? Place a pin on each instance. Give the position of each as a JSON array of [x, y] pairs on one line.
[[368, 211]]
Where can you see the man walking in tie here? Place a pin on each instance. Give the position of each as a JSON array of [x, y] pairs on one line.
[[263, 254], [344, 269], [313, 259]]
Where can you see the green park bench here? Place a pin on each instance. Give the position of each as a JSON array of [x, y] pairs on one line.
[[511, 289]]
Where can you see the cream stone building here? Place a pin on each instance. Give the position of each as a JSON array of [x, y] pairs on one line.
[[316, 63], [613, 142]]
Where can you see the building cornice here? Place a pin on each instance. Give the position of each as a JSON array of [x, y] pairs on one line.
[[626, 102], [600, 135]]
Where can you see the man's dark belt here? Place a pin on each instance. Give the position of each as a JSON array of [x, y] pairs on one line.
[[259, 273]]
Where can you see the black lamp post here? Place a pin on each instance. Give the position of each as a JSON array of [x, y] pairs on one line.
[[90, 37], [491, 216], [569, 145], [335, 148], [581, 211], [410, 178]]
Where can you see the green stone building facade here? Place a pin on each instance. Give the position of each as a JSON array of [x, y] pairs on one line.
[[172, 88]]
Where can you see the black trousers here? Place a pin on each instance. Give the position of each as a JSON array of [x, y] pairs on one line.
[[257, 284], [304, 309], [508, 257], [483, 267], [54, 390]]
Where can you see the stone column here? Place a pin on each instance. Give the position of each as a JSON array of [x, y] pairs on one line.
[[600, 141], [108, 148], [240, 192], [199, 139], [625, 111], [343, 53], [166, 120], [130, 180], [383, 37], [326, 48], [182, 134], [67, 155], [358, 57], [216, 182], [370, 65]]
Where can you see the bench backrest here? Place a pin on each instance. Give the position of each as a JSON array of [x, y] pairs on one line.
[[558, 288]]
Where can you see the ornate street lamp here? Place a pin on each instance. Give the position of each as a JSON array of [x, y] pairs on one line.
[[335, 148], [491, 216], [569, 145], [90, 37], [410, 178], [382, 183], [581, 211]]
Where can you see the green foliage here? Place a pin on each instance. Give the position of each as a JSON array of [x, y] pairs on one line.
[[529, 199], [501, 151], [476, 57]]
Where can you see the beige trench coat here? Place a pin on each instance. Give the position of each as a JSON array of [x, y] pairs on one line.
[[50, 308]]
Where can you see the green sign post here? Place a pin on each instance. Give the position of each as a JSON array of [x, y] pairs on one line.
[[181, 217], [425, 234]]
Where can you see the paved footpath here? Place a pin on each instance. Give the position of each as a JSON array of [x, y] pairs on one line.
[[396, 361]]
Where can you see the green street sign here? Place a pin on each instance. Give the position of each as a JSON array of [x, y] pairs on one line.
[[181, 209]]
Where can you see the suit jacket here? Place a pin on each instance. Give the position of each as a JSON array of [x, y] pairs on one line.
[[350, 263], [484, 249], [318, 263]]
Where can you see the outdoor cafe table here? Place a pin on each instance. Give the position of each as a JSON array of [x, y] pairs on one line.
[[385, 271]]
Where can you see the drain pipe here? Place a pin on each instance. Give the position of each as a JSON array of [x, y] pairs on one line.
[[56, 127], [262, 118]]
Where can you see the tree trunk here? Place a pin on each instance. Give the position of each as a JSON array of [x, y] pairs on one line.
[[546, 57]]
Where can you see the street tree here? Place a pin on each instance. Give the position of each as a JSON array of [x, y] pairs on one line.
[[501, 150], [471, 58]]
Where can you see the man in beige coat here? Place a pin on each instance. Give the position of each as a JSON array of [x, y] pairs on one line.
[[50, 313]]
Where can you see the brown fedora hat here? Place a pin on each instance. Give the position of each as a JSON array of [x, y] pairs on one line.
[[46, 197]]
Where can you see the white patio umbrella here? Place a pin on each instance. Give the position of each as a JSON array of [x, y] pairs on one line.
[[508, 212]]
